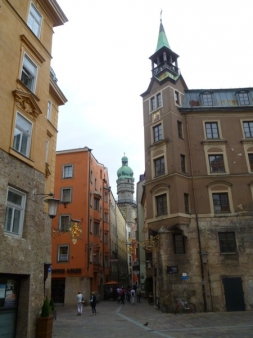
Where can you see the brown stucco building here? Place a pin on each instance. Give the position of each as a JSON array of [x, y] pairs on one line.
[[198, 189], [30, 98]]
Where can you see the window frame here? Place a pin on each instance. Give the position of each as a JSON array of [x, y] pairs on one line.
[[225, 248], [222, 206], [212, 166], [65, 166], [249, 127], [62, 194], [250, 162], [59, 254], [32, 16], [212, 130], [106, 217], [26, 73], [157, 132], [179, 244], [13, 207], [49, 110], [243, 98], [180, 129], [96, 227], [159, 166], [177, 98], [186, 203], [183, 163], [155, 101], [207, 99], [62, 227], [161, 204], [22, 132], [96, 203]]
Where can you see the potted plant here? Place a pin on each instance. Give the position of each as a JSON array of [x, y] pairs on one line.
[[44, 327]]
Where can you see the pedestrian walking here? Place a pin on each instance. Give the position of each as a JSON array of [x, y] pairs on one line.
[[122, 295], [138, 294], [79, 303], [132, 296], [93, 303]]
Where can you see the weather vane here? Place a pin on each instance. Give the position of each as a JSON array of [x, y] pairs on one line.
[[161, 15]]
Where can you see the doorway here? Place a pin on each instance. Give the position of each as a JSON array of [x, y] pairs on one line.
[[234, 294], [58, 290]]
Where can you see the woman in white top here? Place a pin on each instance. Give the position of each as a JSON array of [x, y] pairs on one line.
[[79, 303]]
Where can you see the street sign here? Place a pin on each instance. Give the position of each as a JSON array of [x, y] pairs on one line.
[[184, 276]]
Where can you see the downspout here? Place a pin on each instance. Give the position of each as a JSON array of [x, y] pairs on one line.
[[197, 219], [88, 227]]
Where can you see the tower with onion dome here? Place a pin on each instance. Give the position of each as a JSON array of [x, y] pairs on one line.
[[128, 208], [125, 182]]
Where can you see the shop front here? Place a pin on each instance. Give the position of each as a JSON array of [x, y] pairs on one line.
[[9, 291]]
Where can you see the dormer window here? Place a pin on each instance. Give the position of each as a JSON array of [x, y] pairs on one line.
[[243, 98], [207, 99]]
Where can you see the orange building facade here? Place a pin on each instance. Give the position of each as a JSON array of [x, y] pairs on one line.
[[80, 230]]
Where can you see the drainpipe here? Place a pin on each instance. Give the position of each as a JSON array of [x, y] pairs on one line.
[[197, 221], [88, 227]]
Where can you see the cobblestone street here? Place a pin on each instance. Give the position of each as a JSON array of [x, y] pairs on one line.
[[114, 320]]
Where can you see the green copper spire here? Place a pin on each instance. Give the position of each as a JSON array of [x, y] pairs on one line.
[[162, 38]]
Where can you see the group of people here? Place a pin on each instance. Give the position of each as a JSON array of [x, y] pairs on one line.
[[129, 294], [80, 302]]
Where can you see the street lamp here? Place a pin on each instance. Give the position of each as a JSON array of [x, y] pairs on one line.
[[204, 255], [52, 204]]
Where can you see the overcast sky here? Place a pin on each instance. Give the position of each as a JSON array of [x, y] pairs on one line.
[[101, 59]]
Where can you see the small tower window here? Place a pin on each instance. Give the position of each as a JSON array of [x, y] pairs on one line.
[[156, 101]]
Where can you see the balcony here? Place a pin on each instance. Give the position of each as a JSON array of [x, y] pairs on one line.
[[165, 66], [126, 200]]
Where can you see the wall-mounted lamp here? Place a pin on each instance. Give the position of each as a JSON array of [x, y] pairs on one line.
[[52, 204], [204, 255]]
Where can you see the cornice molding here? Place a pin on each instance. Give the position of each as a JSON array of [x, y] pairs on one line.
[[32, 48]]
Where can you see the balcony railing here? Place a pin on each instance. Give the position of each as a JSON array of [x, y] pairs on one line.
[[163, 66], [126, 200]]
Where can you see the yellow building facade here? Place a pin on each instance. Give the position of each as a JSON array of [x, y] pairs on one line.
[[30, 99]]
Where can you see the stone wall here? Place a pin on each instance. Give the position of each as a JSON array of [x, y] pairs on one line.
[[25, 256]]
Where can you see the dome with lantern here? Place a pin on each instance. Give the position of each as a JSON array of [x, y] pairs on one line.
[[125, 172]]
